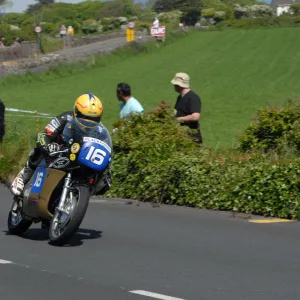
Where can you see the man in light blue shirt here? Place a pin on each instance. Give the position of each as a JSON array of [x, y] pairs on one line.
[[129, 104]]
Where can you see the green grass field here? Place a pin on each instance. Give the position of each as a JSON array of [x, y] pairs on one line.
[[235, 72]]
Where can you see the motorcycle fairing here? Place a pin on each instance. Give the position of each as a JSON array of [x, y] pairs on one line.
[[39, 190], [95, 154]]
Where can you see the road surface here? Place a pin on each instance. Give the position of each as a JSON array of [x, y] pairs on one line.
[[69, 55], [138, 252]]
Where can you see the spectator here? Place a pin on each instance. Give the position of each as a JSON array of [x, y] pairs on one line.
[[70, 32], [63, 31], [155, 23], [2, 120], [129, 104], [188, 105], [131, 24], [17, 42], [2, 39]]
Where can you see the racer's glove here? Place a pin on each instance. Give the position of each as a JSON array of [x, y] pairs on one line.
[[53, 147]]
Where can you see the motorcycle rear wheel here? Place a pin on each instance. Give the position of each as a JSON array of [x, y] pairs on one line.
[[16, 223], [62, 227]]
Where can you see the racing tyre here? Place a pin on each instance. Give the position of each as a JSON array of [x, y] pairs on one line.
[[64, 226], [16, 223]]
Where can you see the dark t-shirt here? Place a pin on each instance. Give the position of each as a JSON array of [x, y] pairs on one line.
[[188, 104]]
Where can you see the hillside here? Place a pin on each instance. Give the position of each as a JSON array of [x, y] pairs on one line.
[[235, 72]]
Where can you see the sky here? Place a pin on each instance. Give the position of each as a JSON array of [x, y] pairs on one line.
[[21, 5]]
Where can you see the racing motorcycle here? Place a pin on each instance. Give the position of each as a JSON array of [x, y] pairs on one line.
[[60, 189]]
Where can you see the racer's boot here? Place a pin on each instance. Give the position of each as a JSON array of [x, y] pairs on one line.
[[104, 184], [22, 178]]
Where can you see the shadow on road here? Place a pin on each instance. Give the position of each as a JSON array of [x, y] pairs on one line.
[[36, 234]]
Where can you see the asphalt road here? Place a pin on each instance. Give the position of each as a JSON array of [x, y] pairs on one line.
[[68, 55], [167, 251], [107, 46]]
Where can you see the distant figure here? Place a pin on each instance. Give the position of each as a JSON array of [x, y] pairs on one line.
[[2, 39], [16, 43], [197, 25], [188, 105], [70, 31], [129, 104], [131, 24], [156, 22], [2, 120], [63, 31]]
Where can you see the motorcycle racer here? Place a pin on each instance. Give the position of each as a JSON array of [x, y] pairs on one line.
[[84, 119]]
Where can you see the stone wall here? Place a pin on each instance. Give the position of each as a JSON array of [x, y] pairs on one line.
[[19, 51], [77, 42], [29, 49]]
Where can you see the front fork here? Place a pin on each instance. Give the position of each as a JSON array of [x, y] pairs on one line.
[[64, 194]]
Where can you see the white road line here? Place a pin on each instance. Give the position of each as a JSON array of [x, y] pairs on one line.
[[154, 295], [5, 262], [97, 201]]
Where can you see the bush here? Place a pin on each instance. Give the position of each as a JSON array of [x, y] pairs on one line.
[[14, 18], [14, 150], [170, 17], [295, 8], [91, 26], [261, 22], [155, 160], [50, 44], [208, 13], [148, 15], [273, 128], [50, 28], [11, 35], [219, 16], [142, 142], [142, 25], [252, 11], [30, 21], [112, 23]]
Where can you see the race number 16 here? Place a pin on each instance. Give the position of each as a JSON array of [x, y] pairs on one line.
[[96, 156]]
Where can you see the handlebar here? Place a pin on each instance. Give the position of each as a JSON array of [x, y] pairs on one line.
[[58, 152]]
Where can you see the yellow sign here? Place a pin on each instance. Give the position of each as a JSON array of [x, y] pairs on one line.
[[72, 157], [130, 35], [75, 148]]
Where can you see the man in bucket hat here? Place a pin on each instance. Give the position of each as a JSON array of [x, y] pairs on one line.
[[188, 105]]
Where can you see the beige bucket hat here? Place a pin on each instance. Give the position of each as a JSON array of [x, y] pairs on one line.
[[181, 79]]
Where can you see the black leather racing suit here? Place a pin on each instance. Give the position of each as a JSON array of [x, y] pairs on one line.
[[52, 134]]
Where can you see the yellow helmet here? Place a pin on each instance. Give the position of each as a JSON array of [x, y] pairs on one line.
[[89, 107]]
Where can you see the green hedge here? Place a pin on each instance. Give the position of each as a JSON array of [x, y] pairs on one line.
[[155, 160], [50, 44], [274, 128], [262, 22], [14, 150]]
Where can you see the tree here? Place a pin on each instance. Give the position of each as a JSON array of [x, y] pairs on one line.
[[40, 4], [117, 8], [5, 4], [150, 3], [191, 9], [295, 8], [163, 5], [112, 9]]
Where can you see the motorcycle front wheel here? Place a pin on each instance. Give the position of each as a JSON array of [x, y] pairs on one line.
[[63, 226], [16, 223]]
